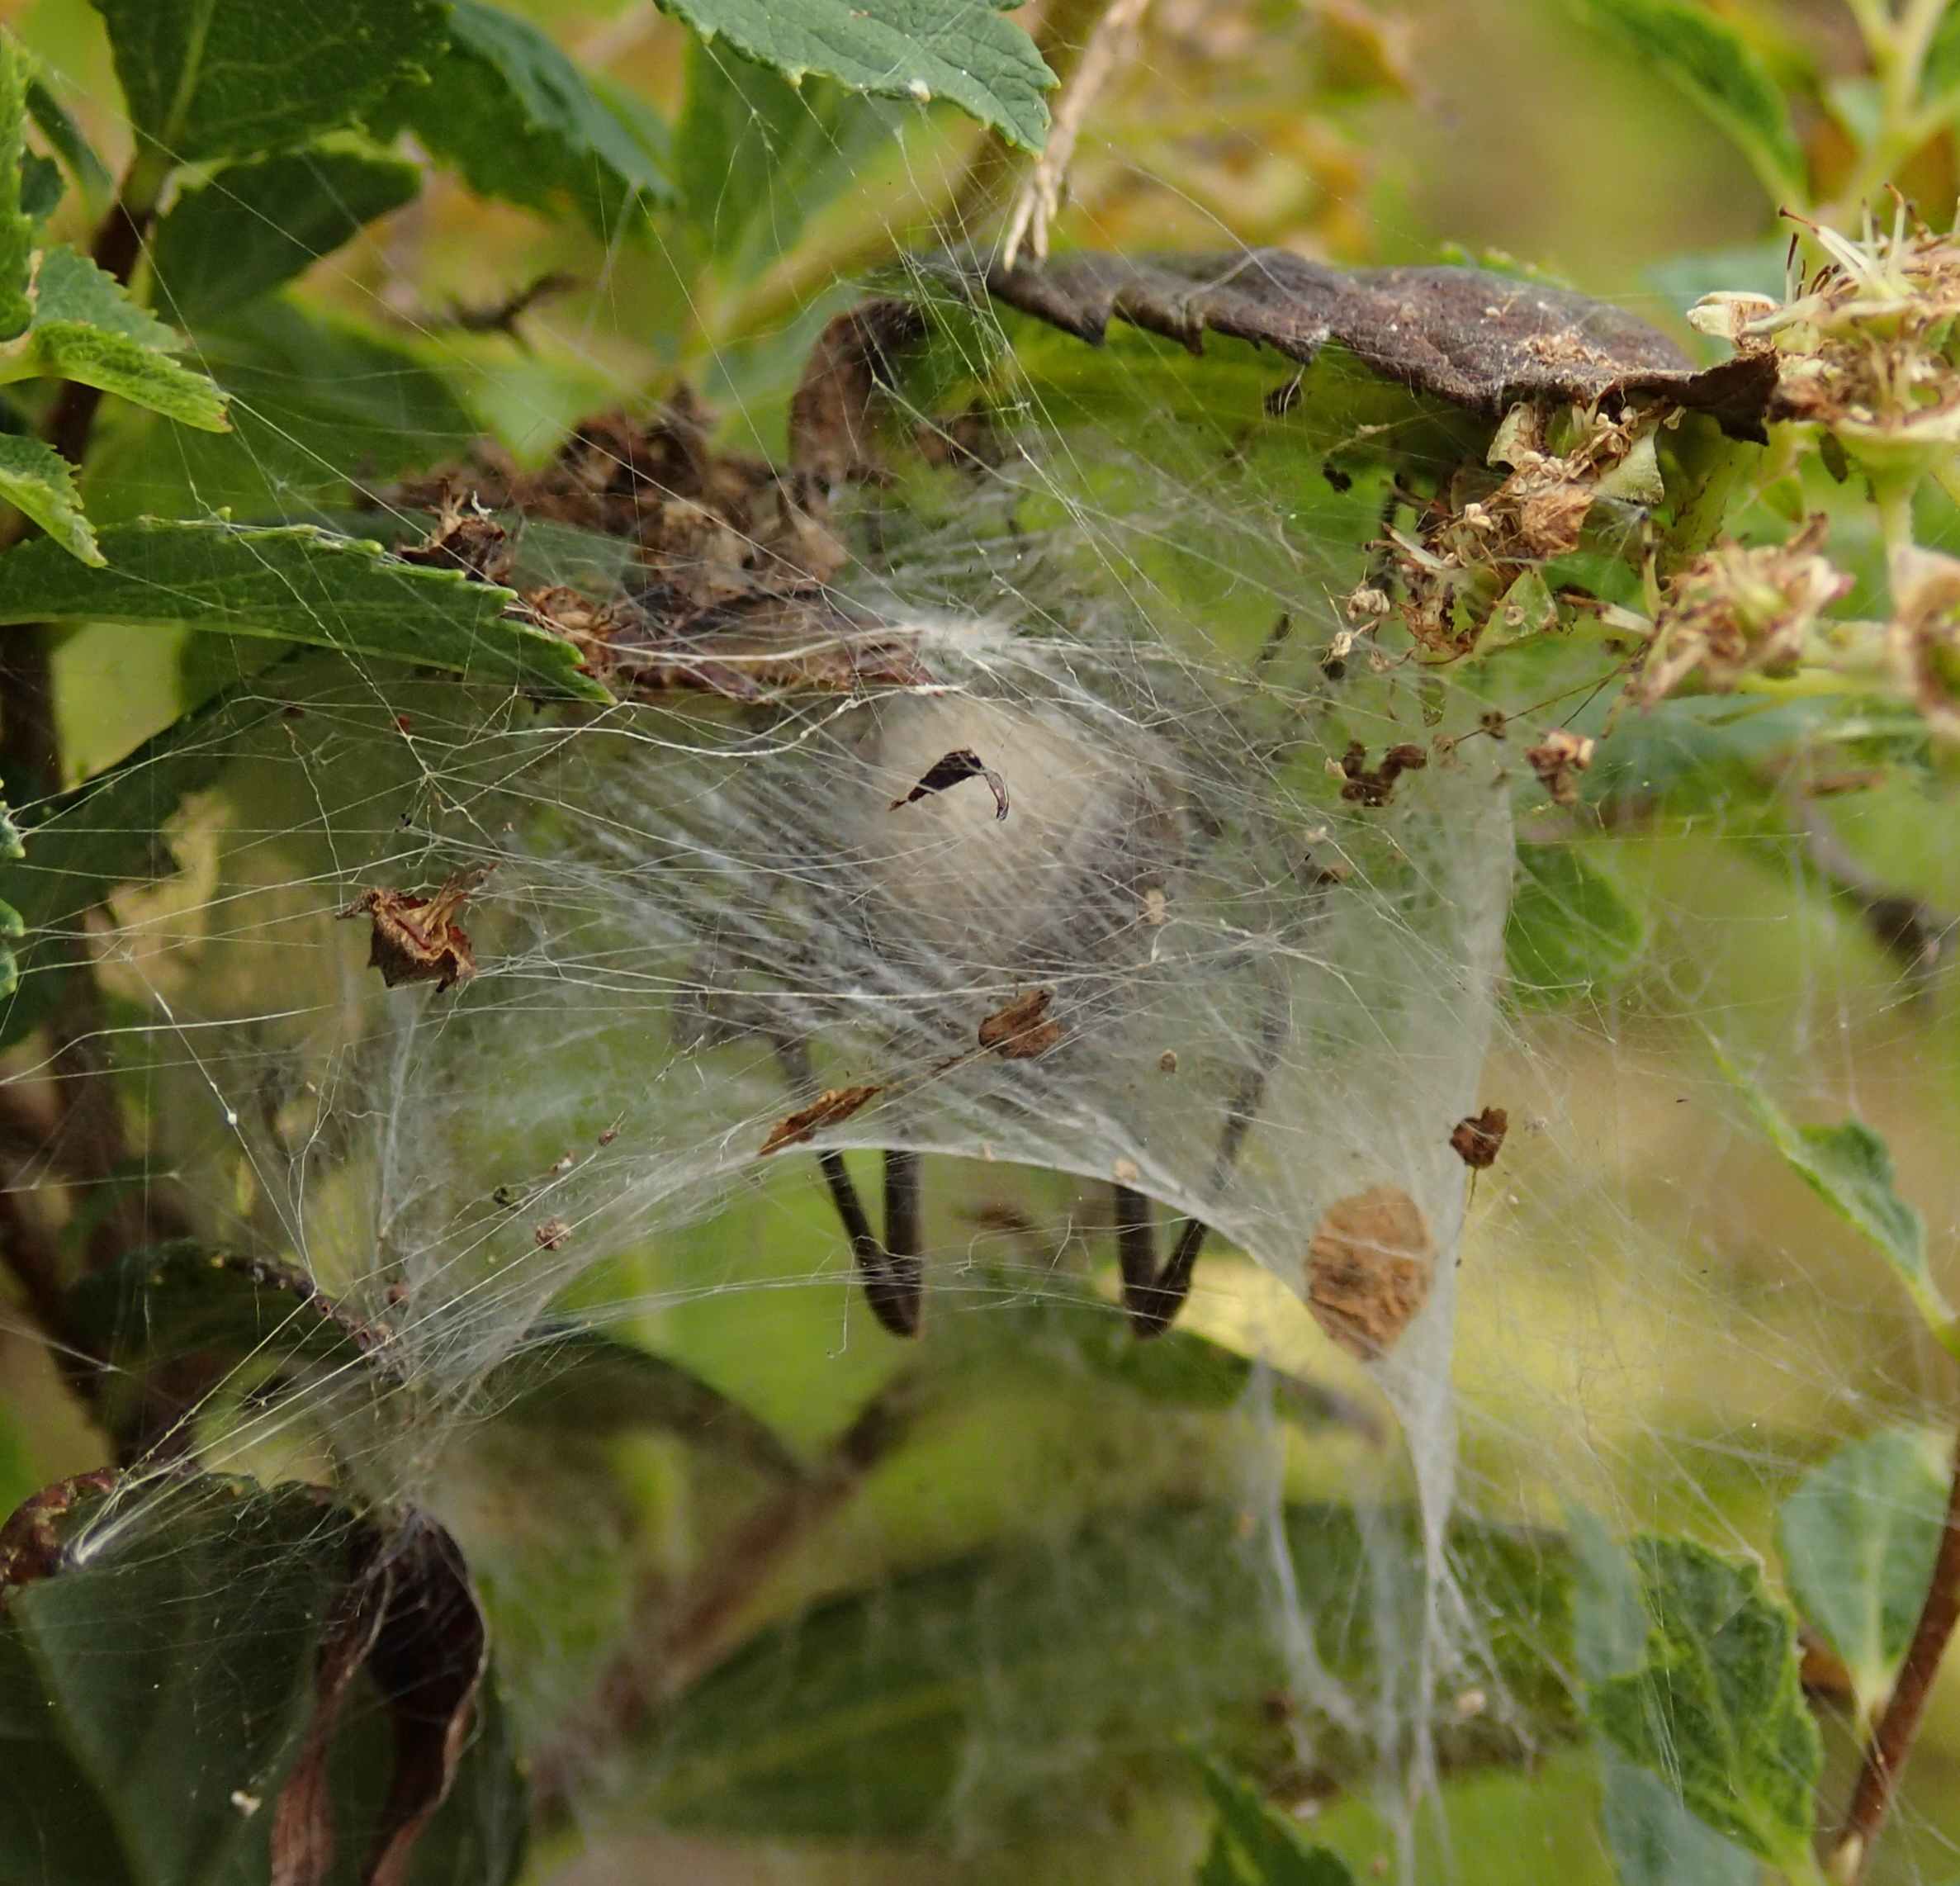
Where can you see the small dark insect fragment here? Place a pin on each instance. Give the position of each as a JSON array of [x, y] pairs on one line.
[[1478, 1138], [1019, 1030], [962, 763], [832, 1105], [1375, 785], [416, 939]]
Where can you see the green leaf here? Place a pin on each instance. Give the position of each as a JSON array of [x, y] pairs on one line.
[[131, 1610], [1571, 931], [255, 225], [1859, 1538], [1715, 1708], [209, 78], [41, 186], [36, 479], [294, 583], [523, 123], [1850, 1169], [1710, 61], [961, 51], [585, 1383], [1254, 1844], [156, 1306], [69, 144], [999, 1690], [1939, 73], [16, 226], [1655, 1841], [757, 156], [85, 328]]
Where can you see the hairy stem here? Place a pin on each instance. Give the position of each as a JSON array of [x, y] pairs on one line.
[[1892, 1741]]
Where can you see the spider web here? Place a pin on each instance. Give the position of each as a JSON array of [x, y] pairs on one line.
[[1270, 996]]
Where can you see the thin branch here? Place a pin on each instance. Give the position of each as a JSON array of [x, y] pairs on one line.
[[1891, 1739], [1911, 930]]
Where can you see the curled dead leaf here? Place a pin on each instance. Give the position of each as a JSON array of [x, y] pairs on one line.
[[416, 939], [962, 763], [1019, 1030], [1375, 785], [1478, 1138], [1370, 1265], [834, 1104], [830, 412], [1558, 760]]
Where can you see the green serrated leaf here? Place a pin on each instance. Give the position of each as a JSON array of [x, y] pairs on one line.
[[65, 137], [1859, 1538], [209, 78], [757, 156], [1254, 1844], [70, 290], [293, 583], [36, 479], [17, 224], [1715, 1708], [255, 224], [1706, 57], [158, 1306], [523, 123], [1655, 1841], [1850, 1169], [1572, 930], [961, 51], [96, 356]]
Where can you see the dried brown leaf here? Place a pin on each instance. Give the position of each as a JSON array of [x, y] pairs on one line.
[[1558, 760], [416, 939], [1481, 341], [1477, 1139], [1021, 1030], [1370, 1265], [834, 1104], [950, 770], [830, 414]]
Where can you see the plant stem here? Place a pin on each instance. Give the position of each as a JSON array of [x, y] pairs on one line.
[[1892, 1741]]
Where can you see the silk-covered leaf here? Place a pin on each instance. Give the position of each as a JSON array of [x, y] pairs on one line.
[[1714, 1707], [203, 1682], [1859, 1538], [1700, 52], [1849, 1166], [521, 122], [36, 479], [1572, 930], [293, 583], [210, 79], [961, 51], [1655, 1841], [255, 224], [1106, 1656]]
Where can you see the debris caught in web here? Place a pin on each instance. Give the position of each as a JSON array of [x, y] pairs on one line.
[[963, 763], [1371, 1263], [1478, 1138], [1021, 1029], [833, 1105], [417, 939]]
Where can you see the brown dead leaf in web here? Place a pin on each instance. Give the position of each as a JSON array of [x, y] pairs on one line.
[[1021, 1030], [963, 763], [1370, 1265], [1375, 785], [1481, 341], [416, 939], [1558, 760], [464, 536], [1478, 1138], [830, 413], [834, 1104], [551, 1235]]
